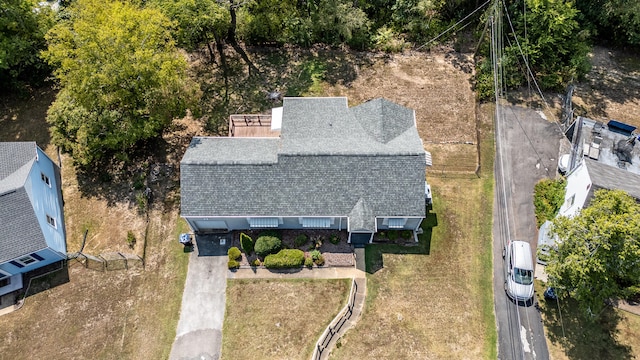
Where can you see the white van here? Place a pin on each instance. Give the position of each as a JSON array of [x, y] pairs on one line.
[[519, 266]]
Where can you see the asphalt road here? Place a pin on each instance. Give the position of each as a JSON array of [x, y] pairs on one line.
[[526, 151]]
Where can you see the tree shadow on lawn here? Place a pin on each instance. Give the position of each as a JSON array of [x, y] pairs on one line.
[[287, 71], [373, 252], [579, 337]]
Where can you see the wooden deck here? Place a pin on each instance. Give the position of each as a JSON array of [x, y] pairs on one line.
[[251, 126]]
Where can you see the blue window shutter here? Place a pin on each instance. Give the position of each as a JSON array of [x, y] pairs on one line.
[[37, 257], [15, 263]]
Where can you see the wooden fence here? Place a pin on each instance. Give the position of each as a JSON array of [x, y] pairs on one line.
[[331, 331]]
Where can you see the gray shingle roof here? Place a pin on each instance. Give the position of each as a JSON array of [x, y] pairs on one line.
[[326, 126], [611, 177], [324, 163], [20, 231]]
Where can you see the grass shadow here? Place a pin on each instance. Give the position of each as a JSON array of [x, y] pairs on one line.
[[373, 252], [578, 336]]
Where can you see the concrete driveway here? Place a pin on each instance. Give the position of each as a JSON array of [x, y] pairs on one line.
[[199, 332]]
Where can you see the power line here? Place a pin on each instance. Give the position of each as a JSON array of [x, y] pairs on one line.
[[454, 25]]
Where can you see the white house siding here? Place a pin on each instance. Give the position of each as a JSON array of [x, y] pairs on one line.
[[577, 190]]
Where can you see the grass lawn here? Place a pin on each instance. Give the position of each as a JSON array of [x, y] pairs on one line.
[[434, 300], [279, 319], [105, 315], [613, 335]]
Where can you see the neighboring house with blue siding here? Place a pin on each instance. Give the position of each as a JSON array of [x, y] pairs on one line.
[[360, 169], [32, 232]]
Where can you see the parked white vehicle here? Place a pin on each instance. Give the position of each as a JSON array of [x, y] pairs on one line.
[[519, 270]]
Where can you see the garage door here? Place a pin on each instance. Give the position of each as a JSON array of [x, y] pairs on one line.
[[210, 225]]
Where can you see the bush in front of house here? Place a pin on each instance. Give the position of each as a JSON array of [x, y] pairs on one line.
[[300, 240], [272, 233], [317, 257], [308, 262], [286, 258], [393, 235], [246, 243], [256, 262], [334, 239], [233, 264], [406, 234], [266, 245], [234, 253]]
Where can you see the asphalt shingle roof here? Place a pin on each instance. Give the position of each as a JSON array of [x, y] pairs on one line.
[[20, 231], [324, 164], [611, 177]]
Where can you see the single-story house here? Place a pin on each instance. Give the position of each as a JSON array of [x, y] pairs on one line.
[[32, 232], [329, 166]]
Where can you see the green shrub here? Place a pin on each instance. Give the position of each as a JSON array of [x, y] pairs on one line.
[[308, 262], [393, 235], [548, 197], [315, 254], [334, 239], [272, 233], [233, 264], [405, 234], [266, 245], [131, 239], [300, 240], [320, 260], [287, 258], [246, 243], [256, 262], [234, 253]]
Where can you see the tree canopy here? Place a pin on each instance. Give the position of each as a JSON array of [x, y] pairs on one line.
[[122, 79], [598, 256], [22, 29]]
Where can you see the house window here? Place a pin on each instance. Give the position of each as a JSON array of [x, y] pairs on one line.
[[5, 278], [27, 260], [45, 179], [316, 223], [397, 223], [263, 222], [571, 200], [51, 220]]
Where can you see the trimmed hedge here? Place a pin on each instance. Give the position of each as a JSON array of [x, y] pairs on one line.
[[287, 258], [233, 264], [234, 253], [246, 243], [266, 245]]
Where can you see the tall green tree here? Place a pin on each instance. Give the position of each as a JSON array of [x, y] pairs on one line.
[[613, 20], [598, 256], [22, 29], [121, 76], [198, 22]]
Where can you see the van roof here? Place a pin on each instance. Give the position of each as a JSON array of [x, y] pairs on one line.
[[522, 255]]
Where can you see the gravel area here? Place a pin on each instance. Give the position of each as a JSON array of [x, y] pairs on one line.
[[340, 254]]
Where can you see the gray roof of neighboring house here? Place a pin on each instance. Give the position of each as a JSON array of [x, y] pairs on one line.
[[611, 177], [326, 163], [20, 231]]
